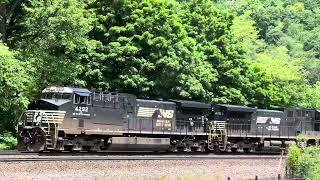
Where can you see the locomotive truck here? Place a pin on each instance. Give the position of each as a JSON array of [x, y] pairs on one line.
[[77, 119]]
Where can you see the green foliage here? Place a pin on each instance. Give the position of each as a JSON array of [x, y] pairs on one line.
[[314, 172], [304, 163], [277, 41], [186, 47], [211, 29], [14, 84], [7, 141], [55, 39], [294, 157], [301, 138]]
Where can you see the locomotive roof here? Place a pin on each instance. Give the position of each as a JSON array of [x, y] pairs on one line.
[[238, 108], [155, 101], [269, 110], [66, 90], [192, 104]]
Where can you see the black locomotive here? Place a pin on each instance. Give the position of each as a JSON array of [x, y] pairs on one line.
[[76, 119]]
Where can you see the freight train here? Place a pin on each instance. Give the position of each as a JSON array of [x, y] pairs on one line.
[[77, 119]]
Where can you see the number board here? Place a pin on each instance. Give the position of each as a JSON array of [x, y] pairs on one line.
[[82, 111]]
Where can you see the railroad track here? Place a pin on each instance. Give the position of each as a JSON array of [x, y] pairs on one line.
[[21, 158], [128, 153]]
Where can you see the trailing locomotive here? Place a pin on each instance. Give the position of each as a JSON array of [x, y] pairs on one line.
[[252, 129], [76, 119]]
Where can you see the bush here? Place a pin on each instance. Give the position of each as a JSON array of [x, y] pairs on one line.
[[314, 172], [302, 141], [7, 141], [294, 159], [304, 163]]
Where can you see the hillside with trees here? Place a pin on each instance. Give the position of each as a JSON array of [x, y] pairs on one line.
[[263, 53]]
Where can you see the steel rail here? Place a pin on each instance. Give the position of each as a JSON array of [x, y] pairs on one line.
[[23, 158], [129, 153]]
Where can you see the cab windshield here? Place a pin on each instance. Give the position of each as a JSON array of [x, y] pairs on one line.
[[56, 96]]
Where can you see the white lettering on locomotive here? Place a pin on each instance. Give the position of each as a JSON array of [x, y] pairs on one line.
[[270, 123], [168, 114], [81, 109]]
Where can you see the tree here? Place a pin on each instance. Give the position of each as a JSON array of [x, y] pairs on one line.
[[211, 28], [56, 40], [145, 49], [10, 13], [285, 48], [186, 47], [51, 35], [14, 84]]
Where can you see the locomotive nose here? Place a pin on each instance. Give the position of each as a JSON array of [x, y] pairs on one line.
[[51, 101], [47, 104], [43, 105]]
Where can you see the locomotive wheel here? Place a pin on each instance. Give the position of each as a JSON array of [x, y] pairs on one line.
[[234, 150], [34, 139], [21, 146], [246, 150], [216, 149]]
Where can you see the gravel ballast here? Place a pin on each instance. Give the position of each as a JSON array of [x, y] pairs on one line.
[[142, 169]]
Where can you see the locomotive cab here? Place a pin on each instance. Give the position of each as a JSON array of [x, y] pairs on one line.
[[52, 98], [46, 117]]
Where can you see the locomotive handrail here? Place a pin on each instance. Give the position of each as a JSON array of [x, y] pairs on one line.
[[46, 116], [46, 111]]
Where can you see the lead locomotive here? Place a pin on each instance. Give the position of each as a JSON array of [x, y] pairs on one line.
[[76, 119]]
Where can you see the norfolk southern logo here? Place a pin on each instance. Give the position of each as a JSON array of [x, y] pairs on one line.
[[37, 118], [270, 123], [161, 117]]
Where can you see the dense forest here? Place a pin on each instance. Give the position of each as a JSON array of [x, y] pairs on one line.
[[263, 53]]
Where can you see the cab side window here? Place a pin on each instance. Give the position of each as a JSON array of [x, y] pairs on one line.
[[83, 100], [77, 99]]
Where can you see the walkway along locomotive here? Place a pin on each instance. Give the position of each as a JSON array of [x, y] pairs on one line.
[[76, 119]]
